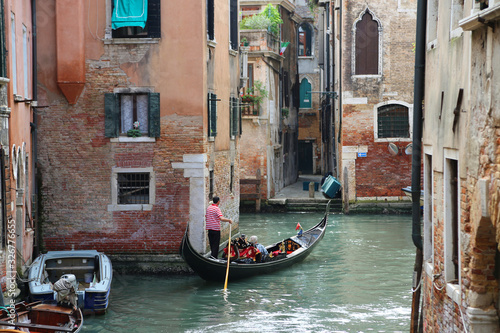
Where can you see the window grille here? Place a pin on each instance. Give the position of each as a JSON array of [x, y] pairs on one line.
[[393, 121], [133, 188]]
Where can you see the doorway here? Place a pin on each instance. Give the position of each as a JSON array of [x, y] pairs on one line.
[[306, 157]]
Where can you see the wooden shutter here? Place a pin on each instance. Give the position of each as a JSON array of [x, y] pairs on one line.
[[112, 116], [367, 46], [154, 19], [212, 114], [154, 115], [233, 23], [234, 116]]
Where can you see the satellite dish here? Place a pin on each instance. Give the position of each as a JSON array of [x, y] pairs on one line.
[[393, 149], [409, 149]]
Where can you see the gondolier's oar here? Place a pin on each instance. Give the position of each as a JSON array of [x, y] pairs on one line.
[[228, 256]]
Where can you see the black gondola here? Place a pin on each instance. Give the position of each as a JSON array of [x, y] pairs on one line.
[[297, 248]]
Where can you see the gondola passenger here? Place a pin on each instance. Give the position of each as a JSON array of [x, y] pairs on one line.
[[254, 240]]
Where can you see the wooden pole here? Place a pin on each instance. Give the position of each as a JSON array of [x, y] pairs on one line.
[[228, 256]]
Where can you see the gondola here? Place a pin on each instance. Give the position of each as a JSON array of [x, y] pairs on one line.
[[42, 318], [297, 248]]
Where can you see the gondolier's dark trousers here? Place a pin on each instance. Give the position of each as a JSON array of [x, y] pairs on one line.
[[214, 239]]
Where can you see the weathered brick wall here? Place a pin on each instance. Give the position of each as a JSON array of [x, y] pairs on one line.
[[378, 174], [76, 162]]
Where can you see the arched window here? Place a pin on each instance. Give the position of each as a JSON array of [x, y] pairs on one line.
[[393, 121], [305, 37], [367, 46], [305, 94]]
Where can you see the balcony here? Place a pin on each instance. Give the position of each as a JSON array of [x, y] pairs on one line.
[[261, 41], [249, 108]]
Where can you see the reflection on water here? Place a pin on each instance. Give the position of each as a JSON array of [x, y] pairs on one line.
[[358, 279]]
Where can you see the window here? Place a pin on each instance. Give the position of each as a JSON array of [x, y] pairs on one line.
[[286, 89], [136, 19], [432, 20], [428, 190], [210, 20], [25, 61], [305, 94], [3, 51], [233, 24], [131, 110], [234, 128], [367, 46], [212, 115], [132, 189], [231, 180], [457, 13], [393, 121], [211, 185], [305, 36], [451, 188], [250, 76], [13, 52]]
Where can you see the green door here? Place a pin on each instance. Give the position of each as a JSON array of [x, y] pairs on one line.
[[305, 94]]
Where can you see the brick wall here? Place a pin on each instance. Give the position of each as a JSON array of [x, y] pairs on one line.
[[379, 174]]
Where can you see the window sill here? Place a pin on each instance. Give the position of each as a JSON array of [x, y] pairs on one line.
[[481, 18], [131, 139], [233, 53], [116, 207], [116, 41], [367, 76], [306, 57], [453, 292], [211, 43], [393, 139]]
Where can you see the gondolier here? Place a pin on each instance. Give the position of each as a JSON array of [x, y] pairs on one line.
[[213, 217]]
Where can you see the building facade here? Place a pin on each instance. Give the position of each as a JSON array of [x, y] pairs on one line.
[[270, 125], [17, 157], [460, 283], [140, 129], [374, 77]]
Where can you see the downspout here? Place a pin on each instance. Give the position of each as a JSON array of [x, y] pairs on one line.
[[33, 126], [418, 96]]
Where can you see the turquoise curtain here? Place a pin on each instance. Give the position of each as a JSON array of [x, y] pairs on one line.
[[129, 13]]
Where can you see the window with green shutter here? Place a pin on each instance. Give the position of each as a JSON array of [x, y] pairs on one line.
[[212, 115], [133, 114], [234, 117]]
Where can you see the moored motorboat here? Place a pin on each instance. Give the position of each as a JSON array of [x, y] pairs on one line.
[[40, 318], [288, 252], [92, 270]]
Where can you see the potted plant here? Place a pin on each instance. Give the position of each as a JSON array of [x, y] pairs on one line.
[[255, 94], [244, 41], [134, 132]]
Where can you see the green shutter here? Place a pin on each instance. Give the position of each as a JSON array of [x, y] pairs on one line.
[[234, 116], [154, 115], [212, 114], [112, 116]]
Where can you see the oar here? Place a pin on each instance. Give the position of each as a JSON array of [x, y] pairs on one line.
[[228, 256]]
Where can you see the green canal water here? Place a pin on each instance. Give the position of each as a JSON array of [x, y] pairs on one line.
[[358, 279]]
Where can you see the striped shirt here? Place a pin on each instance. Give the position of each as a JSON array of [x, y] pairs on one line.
[[213, 216]]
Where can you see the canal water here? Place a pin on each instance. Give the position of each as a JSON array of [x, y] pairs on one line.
[[358, 279]]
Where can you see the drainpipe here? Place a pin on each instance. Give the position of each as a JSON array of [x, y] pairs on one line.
[[418, 96], [34, 124]]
